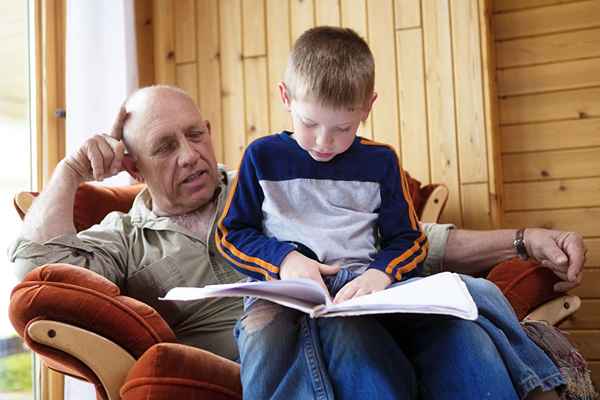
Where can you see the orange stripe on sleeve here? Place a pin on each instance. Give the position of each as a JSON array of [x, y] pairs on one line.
[[412, 250]]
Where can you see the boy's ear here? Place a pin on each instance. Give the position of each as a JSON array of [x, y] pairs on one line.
[[369, 106], [285, 98], [131, 167]]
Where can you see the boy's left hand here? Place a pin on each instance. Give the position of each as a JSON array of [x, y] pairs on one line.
[[373, 280]]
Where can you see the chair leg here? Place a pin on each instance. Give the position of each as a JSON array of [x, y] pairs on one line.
[[52, 384]]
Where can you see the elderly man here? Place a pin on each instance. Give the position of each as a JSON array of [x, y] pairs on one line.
[[167, 239]]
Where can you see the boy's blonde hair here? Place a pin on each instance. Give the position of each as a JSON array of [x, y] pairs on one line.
[[333, 66]]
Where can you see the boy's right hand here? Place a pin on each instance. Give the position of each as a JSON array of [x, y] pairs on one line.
[[296, 265]]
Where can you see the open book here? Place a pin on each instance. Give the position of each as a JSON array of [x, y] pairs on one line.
[[443, 293]]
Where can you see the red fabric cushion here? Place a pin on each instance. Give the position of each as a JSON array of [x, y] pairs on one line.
[[526, 284], [93, 202], [173, 371], [76, 296]]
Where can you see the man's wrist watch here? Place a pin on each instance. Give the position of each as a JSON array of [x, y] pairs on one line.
[[519, 244]]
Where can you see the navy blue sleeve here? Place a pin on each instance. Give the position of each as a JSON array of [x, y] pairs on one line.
[[239, 235], [403, 244]]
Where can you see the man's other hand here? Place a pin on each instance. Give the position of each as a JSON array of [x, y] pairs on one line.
[[562, 252]]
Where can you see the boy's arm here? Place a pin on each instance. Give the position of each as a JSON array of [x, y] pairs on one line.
[[239, 235], [403, 244]]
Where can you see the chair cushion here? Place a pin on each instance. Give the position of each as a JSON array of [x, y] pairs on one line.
[[94, 202], [82, 298], [174, 371], [526, 284]]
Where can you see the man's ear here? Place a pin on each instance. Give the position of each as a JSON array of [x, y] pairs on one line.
[[131, 167], [285, 97], [368, 107]]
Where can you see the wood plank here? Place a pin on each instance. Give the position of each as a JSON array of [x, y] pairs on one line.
[[549, 77], [490, 102], [408, 13], [144, 40], [278, 39], [185, 31], [582, 220], [440, 104], [382, 43], [209, 70], [552, 194], [551, 135], [302, 17], [470, 124], [548, 48], [511, 5], [593, 256], [164, 42], [354, 16], [413, 116], [187, 79], [476, 206], [586, 342], [587, 317], [544, 20], [253, 22], [257, 98], [571, 104], [551, 164], [590, 284], [594, 366], [232, 81], [328, 12]]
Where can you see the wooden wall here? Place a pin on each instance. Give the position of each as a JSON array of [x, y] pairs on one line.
[[548, 77], [430, 76]]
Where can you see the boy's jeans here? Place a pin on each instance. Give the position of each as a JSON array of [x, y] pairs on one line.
[[285, 354]]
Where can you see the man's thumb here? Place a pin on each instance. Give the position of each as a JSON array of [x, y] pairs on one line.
[[326, 269]]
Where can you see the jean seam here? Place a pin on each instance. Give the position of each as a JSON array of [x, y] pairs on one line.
[[532, 381], [315, 365]]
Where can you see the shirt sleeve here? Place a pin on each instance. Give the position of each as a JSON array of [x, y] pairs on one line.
[[102, 249], [437, 235], [403, 246], [239, 234]]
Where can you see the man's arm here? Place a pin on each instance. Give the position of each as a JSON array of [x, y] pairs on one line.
[[471, 252]]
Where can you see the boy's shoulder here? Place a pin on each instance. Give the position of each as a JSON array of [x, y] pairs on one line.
[[268, 141]]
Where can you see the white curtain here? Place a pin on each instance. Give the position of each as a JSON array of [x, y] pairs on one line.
[[101, 68]]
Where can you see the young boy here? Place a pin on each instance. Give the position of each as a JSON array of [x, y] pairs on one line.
[[321, 197]]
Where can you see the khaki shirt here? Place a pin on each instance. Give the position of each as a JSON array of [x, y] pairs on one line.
[[146, 255]]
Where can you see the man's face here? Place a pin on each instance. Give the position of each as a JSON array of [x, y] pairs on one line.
[[324, 132], [174, 155]]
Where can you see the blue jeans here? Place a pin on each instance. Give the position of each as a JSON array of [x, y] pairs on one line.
[[285, 354]]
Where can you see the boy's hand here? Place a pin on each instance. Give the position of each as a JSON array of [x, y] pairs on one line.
[[373, 280], [296, 265]]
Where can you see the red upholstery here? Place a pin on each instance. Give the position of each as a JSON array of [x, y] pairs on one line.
[[526, 284], [173, 371]]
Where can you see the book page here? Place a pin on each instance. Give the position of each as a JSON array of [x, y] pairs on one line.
[[443, 293]]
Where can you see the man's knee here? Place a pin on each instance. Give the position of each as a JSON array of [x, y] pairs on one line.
[[261, 315]]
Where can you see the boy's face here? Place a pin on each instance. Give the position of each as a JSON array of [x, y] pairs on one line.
[[324, 132]]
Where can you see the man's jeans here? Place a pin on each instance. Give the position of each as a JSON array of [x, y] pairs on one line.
[[285, 354]]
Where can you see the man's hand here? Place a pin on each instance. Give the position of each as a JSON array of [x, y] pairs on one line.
[[562, 252], [296, 265], [373, 280], [101, 156]]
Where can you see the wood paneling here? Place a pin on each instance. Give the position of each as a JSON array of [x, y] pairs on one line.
[[551, 164], [413, 114], [187, 79], [185, 26], [408, 13], [582, 220], [587, 342], [552, 194], [550, 77], [164, 42], [257, 98], [278, 39], [303, 13], [144, 37], [510, 5], [253, 35], [328, 12], [440, 103], [570, 104], [476, 206], [549, 48], [544, 20], [587, 317], [593, 255], [551, 135], [589, 287], [354, 16]]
